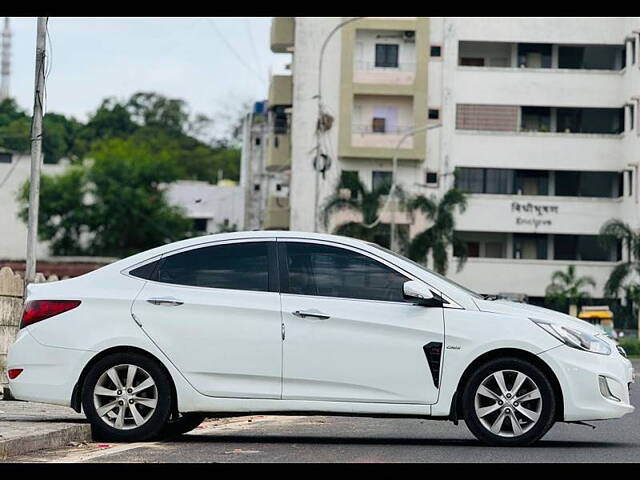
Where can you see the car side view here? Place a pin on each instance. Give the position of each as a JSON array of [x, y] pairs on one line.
[[294, 322]]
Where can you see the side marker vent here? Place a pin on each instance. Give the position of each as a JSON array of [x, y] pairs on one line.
[[433, 352]]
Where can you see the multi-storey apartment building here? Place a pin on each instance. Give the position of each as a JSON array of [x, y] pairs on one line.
[[537, 118]]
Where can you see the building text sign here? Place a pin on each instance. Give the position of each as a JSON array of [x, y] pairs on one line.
[[533, 214]]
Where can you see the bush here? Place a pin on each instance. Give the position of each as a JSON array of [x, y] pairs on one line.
[[630, 345]]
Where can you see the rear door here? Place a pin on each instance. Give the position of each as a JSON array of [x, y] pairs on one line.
[[215, 312]]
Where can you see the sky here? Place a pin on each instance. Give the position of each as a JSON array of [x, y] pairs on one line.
[[215, 64]]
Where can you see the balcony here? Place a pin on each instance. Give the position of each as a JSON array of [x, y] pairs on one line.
[[531, 277], [368, 73], [517, 86], [282, 34], [538, 214], [547, 151], [281, 90], [277, 214], [365, 136]]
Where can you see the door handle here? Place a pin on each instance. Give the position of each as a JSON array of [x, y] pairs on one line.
[[312, 314], [165, 301]]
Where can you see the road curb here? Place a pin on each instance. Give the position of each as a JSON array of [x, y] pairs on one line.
[[57, 438]]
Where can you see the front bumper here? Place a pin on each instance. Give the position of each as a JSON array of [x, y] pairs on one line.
[[578, 373]]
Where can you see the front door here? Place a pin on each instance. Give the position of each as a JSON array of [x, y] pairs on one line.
[[215, 312], [349, 334]]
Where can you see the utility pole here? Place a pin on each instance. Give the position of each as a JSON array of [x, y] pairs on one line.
[[320, 121], [36, 151]]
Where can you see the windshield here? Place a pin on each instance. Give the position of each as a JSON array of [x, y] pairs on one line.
[[425, 269]]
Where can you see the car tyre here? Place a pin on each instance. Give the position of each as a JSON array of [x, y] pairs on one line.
[[509, 402], [127, 398], [182, 424]]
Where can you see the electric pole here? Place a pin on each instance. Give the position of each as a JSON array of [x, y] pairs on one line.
[[36, 151]]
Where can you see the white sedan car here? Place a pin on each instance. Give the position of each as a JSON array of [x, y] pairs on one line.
[[291, 322]]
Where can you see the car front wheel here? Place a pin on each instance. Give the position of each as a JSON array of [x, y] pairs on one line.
[[127, 398], [509, 401]]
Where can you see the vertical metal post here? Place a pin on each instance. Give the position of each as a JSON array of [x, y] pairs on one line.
[[36, 151]]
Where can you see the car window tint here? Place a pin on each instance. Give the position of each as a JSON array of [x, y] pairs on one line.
[[238, 266], [145, 271], [322, 270]]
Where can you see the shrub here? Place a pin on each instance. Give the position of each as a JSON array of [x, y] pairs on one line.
[[630, 345]]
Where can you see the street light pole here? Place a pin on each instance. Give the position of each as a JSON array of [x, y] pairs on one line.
[[394, 177], [36, 151], [319, 121]]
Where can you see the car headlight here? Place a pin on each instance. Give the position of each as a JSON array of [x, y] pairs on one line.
[[575, 338]]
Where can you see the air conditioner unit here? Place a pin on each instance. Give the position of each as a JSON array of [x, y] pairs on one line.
[[409, 36]]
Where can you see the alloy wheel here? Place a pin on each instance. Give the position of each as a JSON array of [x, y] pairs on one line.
[[125, 396], [508, 403]]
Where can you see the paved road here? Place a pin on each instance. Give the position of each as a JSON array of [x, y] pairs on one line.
[[344, 439]]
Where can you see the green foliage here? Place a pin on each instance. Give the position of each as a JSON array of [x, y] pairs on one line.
[[567, 288], [630, 345], [113, 206], [351, 194], [441, 233], [161, 124]]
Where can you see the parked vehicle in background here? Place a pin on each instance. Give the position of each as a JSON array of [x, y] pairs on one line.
[[285, 322]]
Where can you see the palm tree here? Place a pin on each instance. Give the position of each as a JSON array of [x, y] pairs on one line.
[[441, 233], [352, 194], [567, 288], [611, 233]]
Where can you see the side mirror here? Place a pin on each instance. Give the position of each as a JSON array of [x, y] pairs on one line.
[[418, 291]]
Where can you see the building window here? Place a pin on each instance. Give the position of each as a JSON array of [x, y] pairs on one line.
[[381, 181], [632, 116], [386, 55], [471, 62], [536, 119], [592, 57], [588, 184], [256, 187], [470, 180], [582, 247], [258, 141], [349, 180], [200, 224], [534, 55], [379, 125], [432, 178], [434, 113], [530, 246], [591, 120], [436, 51]]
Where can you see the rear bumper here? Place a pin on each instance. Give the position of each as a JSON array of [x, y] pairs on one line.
[[578, 373], [49, 373]]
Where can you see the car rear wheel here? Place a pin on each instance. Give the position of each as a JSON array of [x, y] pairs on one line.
[[509, 401], [182, 424], [127, 398]]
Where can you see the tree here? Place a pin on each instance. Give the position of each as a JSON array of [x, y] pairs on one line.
[[441, 234], [111, 206], [351, 194], [623, 279], [567, 288]]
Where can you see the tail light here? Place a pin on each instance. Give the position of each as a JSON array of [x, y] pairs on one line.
[[37, 310], [14, 372]]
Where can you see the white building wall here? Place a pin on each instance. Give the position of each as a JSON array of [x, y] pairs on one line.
[[218, 204], [13, 231], [448, 148]]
